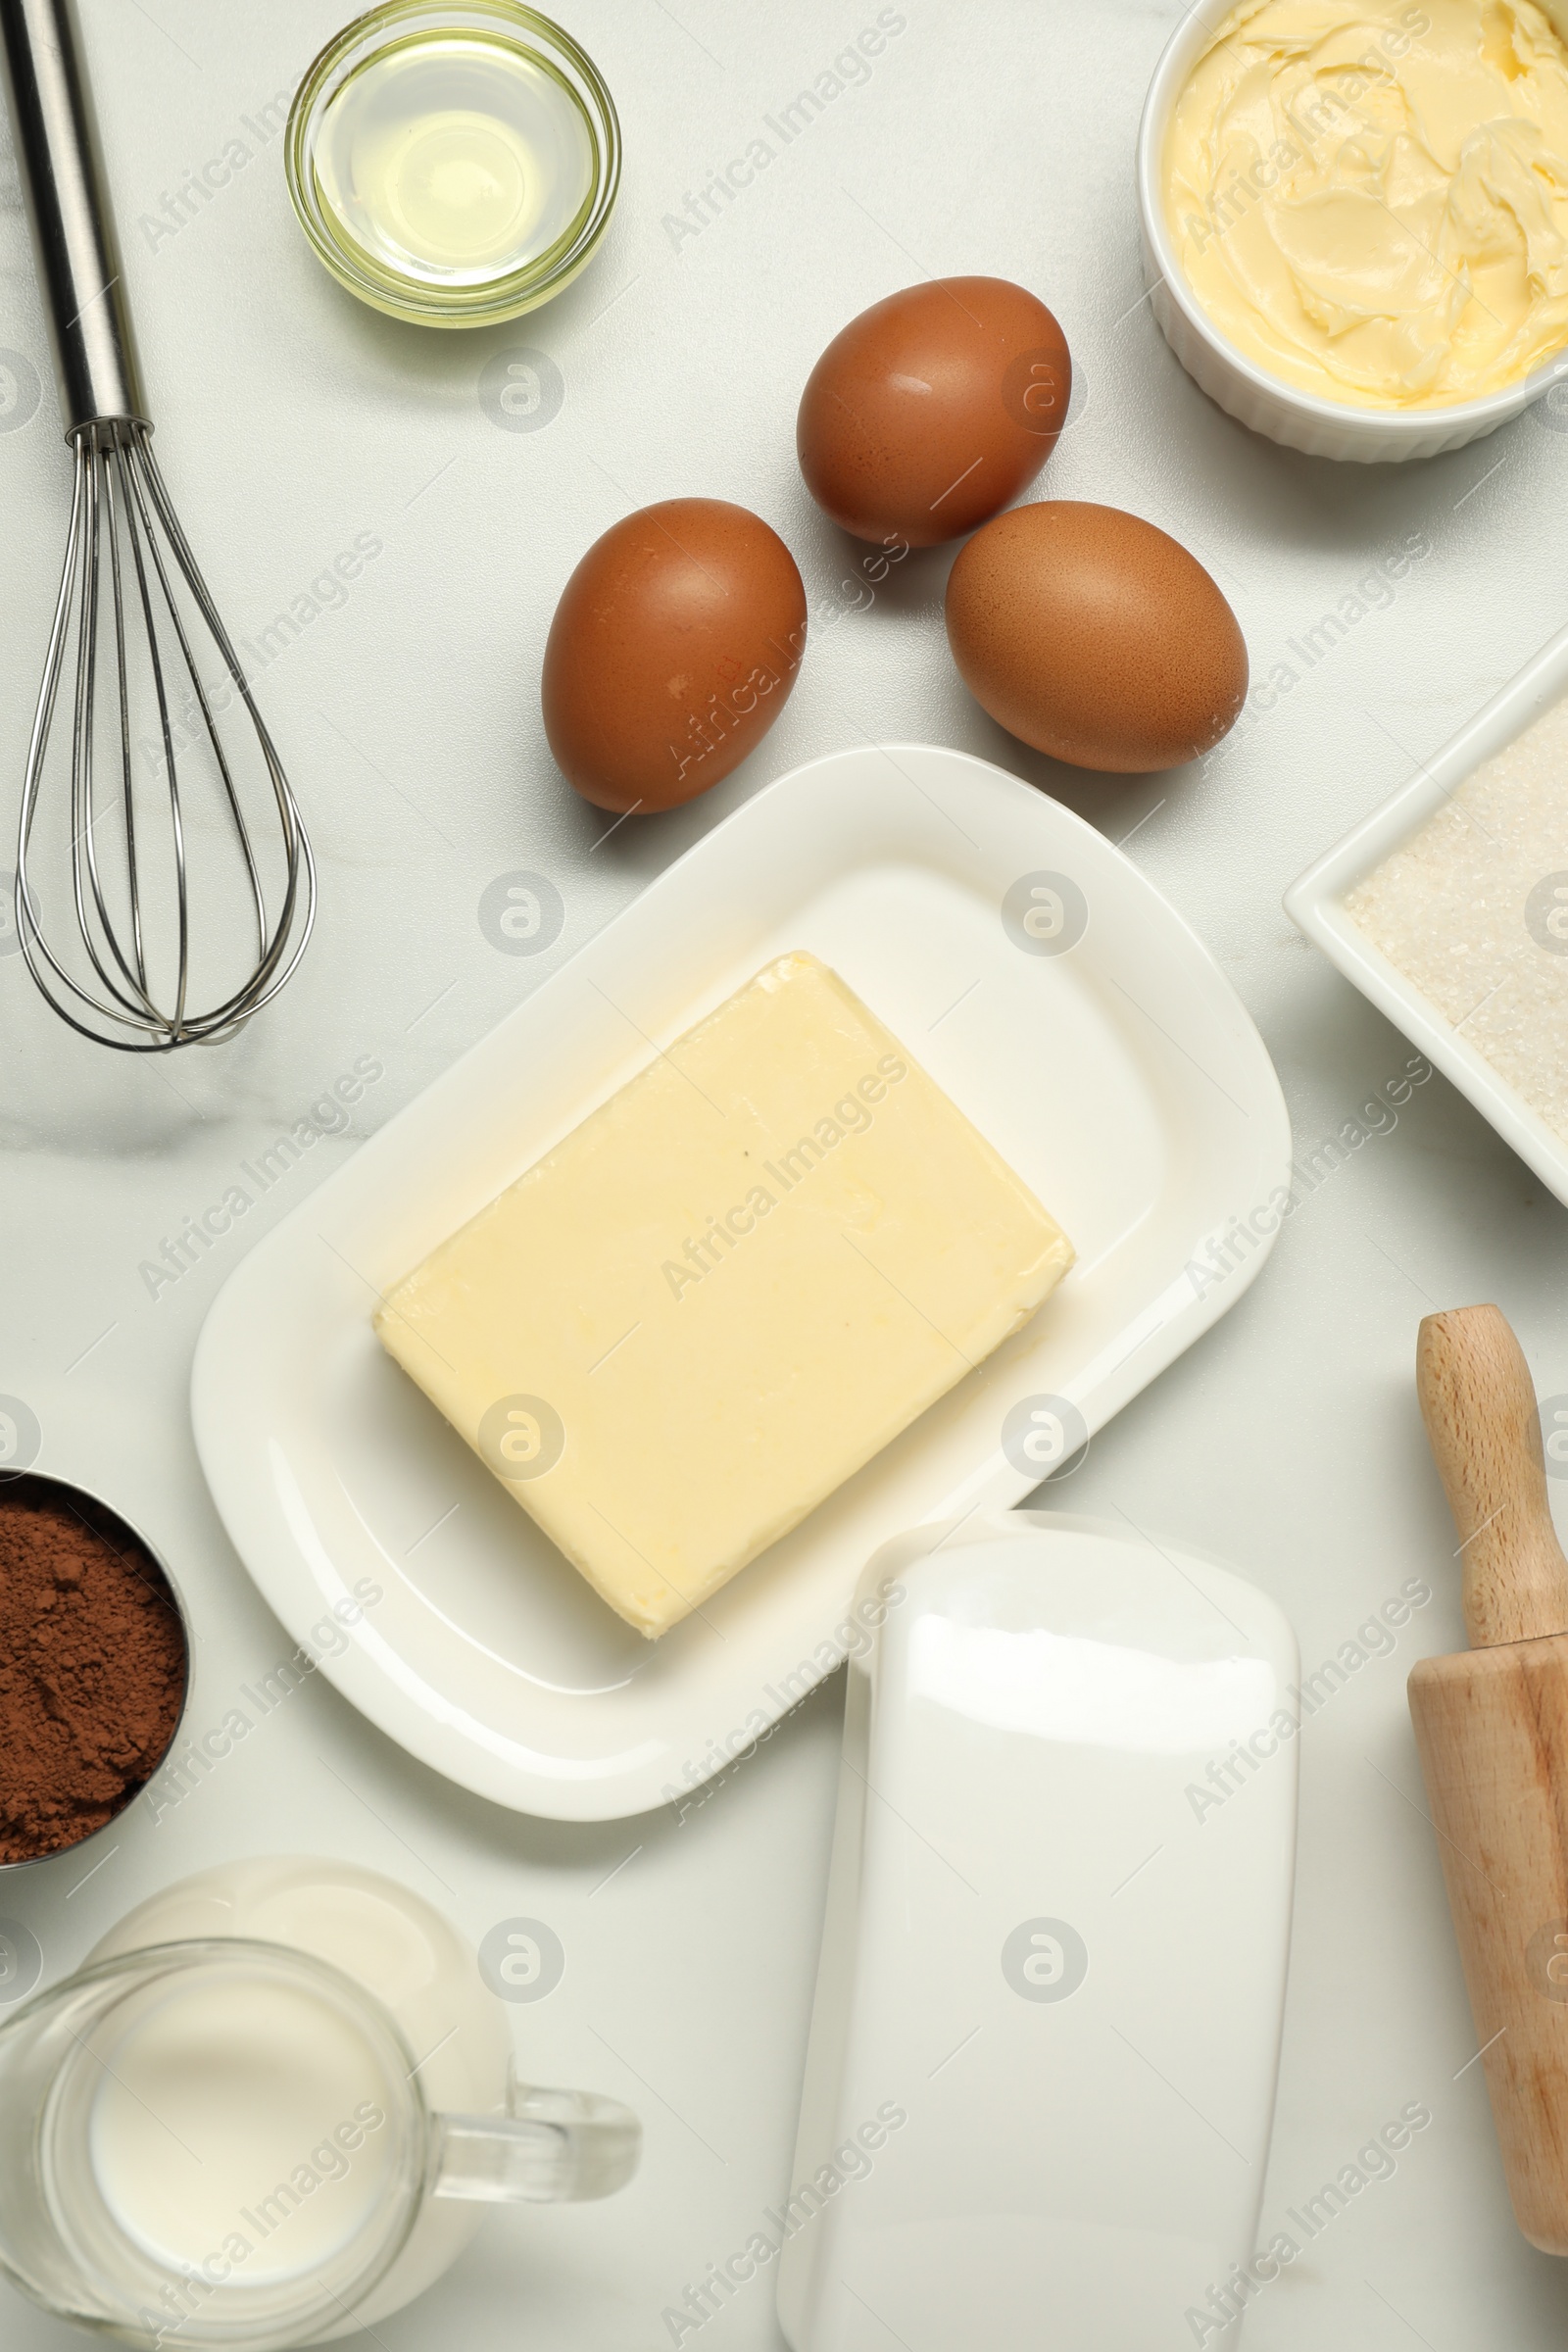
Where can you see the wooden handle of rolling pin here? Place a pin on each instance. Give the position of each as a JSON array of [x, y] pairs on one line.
[[1491, 1725], [1478, 1406]]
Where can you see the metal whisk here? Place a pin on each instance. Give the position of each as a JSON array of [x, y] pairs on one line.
[[160, 792]]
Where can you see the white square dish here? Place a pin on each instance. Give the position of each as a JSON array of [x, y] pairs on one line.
[[1317, 904], [1097, 1046]]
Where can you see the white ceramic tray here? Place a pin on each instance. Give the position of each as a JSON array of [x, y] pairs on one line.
[[1116, 1070], [1316, 903]]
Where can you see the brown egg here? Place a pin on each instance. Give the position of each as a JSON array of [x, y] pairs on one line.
[[933, 409], [673, 651], [1095, 637]]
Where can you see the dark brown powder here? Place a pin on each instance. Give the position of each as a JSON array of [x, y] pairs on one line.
[[92, 1667]]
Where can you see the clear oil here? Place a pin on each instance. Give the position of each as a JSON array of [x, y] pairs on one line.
[[455, 158]]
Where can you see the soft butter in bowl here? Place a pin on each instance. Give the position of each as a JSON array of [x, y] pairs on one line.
[[1354, 216], [1448, 908]]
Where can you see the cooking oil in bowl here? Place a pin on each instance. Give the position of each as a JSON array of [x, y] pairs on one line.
[[454, 164], [455, 159]]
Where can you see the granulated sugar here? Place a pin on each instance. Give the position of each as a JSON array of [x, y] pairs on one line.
[[1473, 908]]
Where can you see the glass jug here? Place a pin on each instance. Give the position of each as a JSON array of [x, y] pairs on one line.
[[224, 2141]]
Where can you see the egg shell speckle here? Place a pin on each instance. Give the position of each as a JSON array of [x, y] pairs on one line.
[[933, 409], [672, 650], [1094, 636]]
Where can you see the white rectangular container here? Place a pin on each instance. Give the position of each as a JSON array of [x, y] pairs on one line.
[[1045, 2037], [1316, 903]]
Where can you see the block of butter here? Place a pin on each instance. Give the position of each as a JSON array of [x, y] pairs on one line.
[[718, 1297]]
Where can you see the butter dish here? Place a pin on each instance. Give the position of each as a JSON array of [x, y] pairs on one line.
[[1046, 2035], [1110, 1063]]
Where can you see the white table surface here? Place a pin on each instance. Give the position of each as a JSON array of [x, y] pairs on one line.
[[992, 136]]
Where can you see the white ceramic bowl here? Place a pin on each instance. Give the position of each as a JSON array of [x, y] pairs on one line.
[[1323, 429], [1316, 903]]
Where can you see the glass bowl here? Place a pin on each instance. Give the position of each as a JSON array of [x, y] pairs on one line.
[[453, 166]]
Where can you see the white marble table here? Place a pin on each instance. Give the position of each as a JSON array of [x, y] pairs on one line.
[[996, 136]]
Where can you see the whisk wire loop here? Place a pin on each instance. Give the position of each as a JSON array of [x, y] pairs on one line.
[[131, 587]]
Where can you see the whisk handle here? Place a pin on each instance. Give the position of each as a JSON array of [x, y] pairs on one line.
[[61, 168]]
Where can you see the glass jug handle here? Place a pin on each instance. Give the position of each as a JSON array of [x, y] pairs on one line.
[[549, 2148]]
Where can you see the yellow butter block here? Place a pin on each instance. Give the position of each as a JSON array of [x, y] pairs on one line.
[[725, 1290]]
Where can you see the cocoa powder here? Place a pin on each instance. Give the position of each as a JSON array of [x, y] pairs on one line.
[[92, 1667]]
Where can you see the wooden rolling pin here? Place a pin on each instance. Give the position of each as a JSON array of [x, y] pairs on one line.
[[1491, 1725]]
